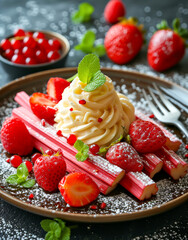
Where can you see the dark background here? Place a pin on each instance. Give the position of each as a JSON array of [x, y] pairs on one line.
[[55, 15]]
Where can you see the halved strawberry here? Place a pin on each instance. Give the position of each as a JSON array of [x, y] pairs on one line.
[[43, 106], [78, 189], [56, 86]]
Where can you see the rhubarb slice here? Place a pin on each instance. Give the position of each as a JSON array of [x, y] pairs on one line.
[[152, 164], [139, 184], [172, 163], [172, 142], [99, 166]]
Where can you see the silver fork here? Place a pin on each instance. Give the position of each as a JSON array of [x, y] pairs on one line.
[[168, 113]]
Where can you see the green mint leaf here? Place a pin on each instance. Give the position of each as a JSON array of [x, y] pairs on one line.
[[12, 179], [84, 48], [72, 78], [97, 80], [54, 226], [79, 145], [162, 25], [21, 180], [83, 14], [61, 223], [83, 150], [29, 183], [22, 171], [99, 50], [66, 234], [88, 66], [50, 236], [105, 149], [87, 42], [45, 224]]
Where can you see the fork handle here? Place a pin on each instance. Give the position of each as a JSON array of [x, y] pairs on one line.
[[181, 127]]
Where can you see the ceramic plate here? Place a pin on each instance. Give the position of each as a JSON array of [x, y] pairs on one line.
[[121, 205]]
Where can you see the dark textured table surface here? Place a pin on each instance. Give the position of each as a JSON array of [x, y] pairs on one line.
[[55, 15]]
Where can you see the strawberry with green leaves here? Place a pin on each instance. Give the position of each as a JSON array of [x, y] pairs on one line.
[[123, 41], [167, 46]]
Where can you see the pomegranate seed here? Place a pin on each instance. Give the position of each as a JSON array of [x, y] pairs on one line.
[[35, 156], [19, 33], [16, 44], [82, 102], [38, 35], [27, 52], [30, 61], [94, 148], [186, 155], [15, 161], [103, 205], [100, 120], [31, 196], [5, 44], [53, 55], [59, 133], [18, 51], [29, 165], [54, 44], [41, 56], [93, 207], [30, 34], [49, 152], [43, 44], [18, 59], [8, 160], [9, 53], [29, 42], [71, 109], [151, 116], [186, 146], [71, 139], [43, 122]]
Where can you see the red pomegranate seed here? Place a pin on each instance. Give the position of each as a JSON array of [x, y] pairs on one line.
[[49, 152], [8, 160], [71, 139], [186, 155], [93, 207], [30, 34], [35, 156], [53, 55], [103, 205], [94, 148], [43, 44], [29, 165], [27, 52], [5, 44], [29, 42], [43, 122], [38, 35], [19, 33], [9, 53], [71, 109], [59, 133], [186, 146], [41, 56], [82, 102], [100, 120], [19, 59], [16, 44], [54, 44], [15, 161], [31, 196], [151, 116], [30, 61]]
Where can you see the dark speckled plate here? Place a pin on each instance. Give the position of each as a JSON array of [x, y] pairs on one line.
[[121, 205]]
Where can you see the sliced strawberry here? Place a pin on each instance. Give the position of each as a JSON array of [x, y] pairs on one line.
[[146, 137], [124, 155], [78, 189], [56, 86], [43, 106]]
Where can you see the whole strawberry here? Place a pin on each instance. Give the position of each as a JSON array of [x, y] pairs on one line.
[[56, 86], [15, 137], [49, 170], [123, 41], [146, 137], [167, 47], [114, 10], [125, 156]]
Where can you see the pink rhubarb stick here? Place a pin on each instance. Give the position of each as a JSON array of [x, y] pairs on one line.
[[172, 142], [172, 163], [99, 166], [139, 184], [152, 164]]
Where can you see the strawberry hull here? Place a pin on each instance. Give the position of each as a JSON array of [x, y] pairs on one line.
[[172, 141], [139, 184]]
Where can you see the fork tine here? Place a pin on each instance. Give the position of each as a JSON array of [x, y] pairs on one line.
[[157, 102], [151, 105], [169, 105]]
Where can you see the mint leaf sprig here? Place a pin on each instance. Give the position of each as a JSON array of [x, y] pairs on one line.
[[56, 229], [103, 150], [83, 14], [87, 45], [83, 150], [20, 178]]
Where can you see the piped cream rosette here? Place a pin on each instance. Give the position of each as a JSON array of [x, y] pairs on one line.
[[113, 108]]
